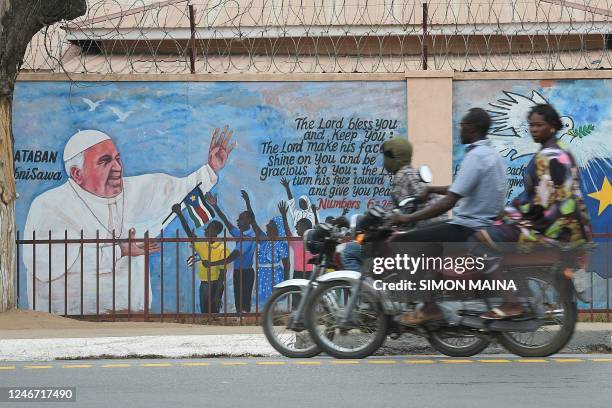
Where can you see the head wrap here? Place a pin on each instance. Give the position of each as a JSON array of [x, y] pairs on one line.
[[398, 153], [306, 199]]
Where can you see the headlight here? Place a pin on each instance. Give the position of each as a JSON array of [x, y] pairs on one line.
[[315, 238], [371, 219]]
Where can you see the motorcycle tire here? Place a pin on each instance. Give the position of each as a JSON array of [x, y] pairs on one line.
[[440, 343], [310, 348], [565, 289]]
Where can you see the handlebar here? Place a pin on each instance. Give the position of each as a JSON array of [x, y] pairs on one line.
[[371, 222]]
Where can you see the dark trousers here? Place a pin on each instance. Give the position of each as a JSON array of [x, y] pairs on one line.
[[243, 293], [438, 232], [216, 294], [434, 240], [430, 241]]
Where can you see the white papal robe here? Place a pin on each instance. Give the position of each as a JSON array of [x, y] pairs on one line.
[[145, 202]]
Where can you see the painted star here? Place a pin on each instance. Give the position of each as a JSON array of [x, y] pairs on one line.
[[604, 195]]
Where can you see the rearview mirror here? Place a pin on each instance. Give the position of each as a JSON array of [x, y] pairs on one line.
[[405, 201], [425, 174], [354, 219]]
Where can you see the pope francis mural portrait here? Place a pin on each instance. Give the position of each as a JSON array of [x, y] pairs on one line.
[[97, 198]]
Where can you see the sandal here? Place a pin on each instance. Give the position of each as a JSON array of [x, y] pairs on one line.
[[419, 317]]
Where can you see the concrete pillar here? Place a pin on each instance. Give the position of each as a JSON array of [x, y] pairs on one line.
[[430, 110]]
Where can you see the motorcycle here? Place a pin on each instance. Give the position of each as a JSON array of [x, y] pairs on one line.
[[362, 317], [284, 313]]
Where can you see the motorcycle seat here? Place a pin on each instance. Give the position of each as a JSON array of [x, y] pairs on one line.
[[544, 256]]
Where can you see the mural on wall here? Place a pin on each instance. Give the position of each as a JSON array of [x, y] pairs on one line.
[[586, 109], [205, 159]]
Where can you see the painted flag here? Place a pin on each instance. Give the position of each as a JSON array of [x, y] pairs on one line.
[[198, 210]]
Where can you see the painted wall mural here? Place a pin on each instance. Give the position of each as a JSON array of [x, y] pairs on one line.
[[121, 158], [586, 110]]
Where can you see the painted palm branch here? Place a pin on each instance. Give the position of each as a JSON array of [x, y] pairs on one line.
[[581, 131]]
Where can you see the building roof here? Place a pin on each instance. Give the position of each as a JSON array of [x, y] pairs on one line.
[[173, 14], [152, 36], [169, 64]]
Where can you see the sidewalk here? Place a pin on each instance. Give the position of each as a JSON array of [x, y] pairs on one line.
[[36, 336]]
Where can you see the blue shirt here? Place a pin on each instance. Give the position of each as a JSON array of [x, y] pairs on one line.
[[481, 183], [248, 249]]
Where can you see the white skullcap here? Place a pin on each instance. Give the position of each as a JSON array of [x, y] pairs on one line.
[[83, 140]]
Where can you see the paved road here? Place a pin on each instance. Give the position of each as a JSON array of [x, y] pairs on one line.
[[423, 381]]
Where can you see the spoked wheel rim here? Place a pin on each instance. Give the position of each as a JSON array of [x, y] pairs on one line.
[[555, 315], [458, 341], [281, 309], [329, 307]]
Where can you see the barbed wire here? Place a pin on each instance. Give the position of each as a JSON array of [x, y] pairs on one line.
[[317, 36]]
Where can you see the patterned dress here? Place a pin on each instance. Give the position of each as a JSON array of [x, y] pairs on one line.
[[271, 254], [550, 210]]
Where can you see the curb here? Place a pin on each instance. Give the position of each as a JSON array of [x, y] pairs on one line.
[[236, 345]]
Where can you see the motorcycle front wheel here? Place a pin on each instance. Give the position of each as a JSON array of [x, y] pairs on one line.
[[361, 336], [277, 312]]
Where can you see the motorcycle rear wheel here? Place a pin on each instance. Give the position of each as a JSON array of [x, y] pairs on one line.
[[563, 314]]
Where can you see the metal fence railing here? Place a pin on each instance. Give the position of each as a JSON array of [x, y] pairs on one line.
[[159, 284], [599, 308]]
